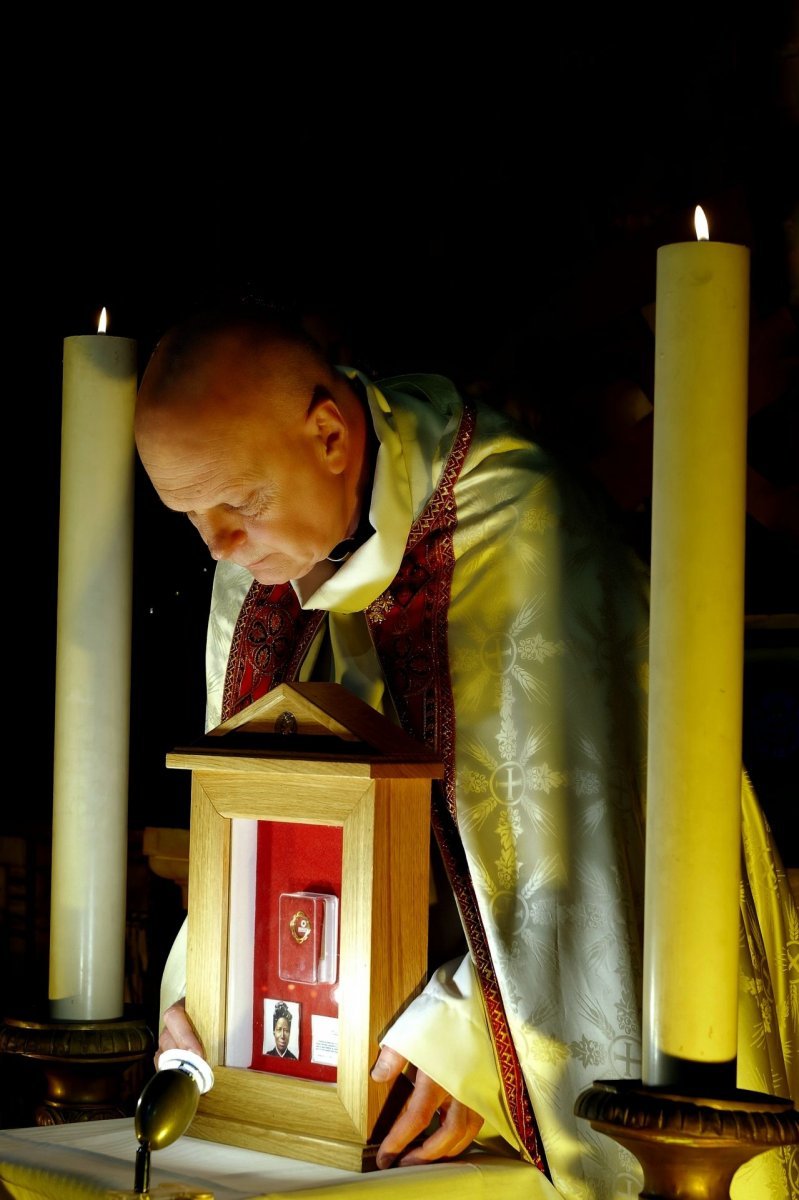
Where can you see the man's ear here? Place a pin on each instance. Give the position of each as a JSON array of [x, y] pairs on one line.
[[327, 426]]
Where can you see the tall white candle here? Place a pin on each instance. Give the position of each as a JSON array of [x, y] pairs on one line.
[[92, 709], [696, 661]]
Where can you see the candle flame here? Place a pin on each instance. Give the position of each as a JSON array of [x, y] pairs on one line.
[[701, 225], [102, 324]]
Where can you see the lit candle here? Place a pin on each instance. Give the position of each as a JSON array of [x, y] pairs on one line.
[[696, 664], [92, 701]]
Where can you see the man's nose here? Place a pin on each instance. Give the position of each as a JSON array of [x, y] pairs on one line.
[[222, 534]]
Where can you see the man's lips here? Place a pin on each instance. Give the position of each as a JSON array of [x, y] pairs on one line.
[[258, 562]]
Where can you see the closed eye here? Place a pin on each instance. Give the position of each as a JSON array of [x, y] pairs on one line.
[[256, 505]]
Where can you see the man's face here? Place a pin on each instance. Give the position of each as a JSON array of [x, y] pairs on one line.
[[262, 486], [282, 1031]]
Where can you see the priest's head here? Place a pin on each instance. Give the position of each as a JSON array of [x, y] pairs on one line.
[[243, 425]]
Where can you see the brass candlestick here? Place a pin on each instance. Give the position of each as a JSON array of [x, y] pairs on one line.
[[689, 1147], [90, 1070]]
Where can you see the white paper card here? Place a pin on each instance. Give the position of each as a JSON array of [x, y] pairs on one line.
[[324, 1040]]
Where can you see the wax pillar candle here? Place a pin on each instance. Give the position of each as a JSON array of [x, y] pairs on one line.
[[696, 663], [92, 702]]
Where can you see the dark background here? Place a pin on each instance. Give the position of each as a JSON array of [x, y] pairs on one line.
[[483, 201]]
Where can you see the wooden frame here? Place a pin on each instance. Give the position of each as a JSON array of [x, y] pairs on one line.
[[375, 783]]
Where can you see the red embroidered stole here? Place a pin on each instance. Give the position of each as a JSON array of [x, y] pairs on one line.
[[409, 627]]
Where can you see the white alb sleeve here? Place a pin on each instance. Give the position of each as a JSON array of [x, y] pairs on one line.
[[173, 978]]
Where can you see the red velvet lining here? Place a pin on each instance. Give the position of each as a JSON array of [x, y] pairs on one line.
[[292, 857]]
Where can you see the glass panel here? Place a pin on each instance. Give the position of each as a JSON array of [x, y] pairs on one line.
[[283, 975]]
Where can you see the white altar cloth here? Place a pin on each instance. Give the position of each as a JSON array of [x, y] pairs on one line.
[[91, 1160]]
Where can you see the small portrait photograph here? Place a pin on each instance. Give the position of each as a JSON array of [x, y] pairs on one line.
[[281, 1029]]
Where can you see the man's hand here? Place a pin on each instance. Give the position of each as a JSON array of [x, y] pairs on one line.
[[178, 1032], [458, 1127]]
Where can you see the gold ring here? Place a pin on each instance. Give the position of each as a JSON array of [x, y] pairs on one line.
[[300, 926]]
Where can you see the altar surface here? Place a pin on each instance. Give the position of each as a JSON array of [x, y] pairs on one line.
[[94, 1159]]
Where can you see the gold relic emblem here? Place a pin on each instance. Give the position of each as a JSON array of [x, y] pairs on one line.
[[300, 926]]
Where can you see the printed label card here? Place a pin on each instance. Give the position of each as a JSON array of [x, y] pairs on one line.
[[324, 1040]]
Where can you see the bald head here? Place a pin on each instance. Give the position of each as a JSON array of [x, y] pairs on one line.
[[193, 360], [243, 424]]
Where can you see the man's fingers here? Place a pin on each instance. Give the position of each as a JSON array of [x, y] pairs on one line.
[[179, 1025], [178, 1033], [388, 1065], [416, 1115], [458, 1129]]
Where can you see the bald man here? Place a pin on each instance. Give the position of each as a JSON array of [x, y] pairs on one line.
[[426, 555]]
